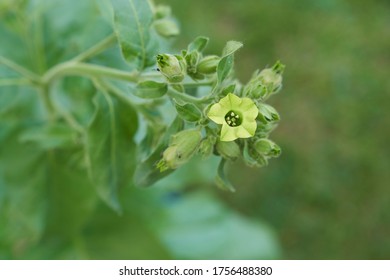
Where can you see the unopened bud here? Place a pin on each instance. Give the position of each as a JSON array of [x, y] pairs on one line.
[[228, 150], [267, 148], [172, 67], [162, 11], [166, 28], [267, 82], [182, 147], [207, 146], [208, 64]]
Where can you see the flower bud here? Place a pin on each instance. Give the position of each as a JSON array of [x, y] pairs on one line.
[[207, 146], [267, 148], [166, 28], [162, 11], [172, 67], [228, 150], [208, 64], [264, 84], [182, 147]]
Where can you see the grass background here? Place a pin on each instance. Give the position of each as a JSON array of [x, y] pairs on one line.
[[328, 195]]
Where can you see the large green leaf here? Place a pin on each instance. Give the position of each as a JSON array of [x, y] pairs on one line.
[[22, 190], [110, 146], [198, 226], [132, 21]]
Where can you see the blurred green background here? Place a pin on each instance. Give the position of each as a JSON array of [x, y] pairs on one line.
[[328, 195]]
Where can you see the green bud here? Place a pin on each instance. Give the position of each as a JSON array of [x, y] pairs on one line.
[[208, 64], [182, 147], [262, 85], [173, 67], [267, 148], [192, 59], [162, 11], [228, 150], [267, 113], [166, 28], [206, 147]]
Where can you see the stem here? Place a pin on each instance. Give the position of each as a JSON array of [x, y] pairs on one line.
[[88, 70], [44, 93], [197, 84], [19, 69], [96, 49], [14, 82], [185, 97]]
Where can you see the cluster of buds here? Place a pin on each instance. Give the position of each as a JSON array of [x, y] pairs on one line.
[[190, 62], [230, 120]]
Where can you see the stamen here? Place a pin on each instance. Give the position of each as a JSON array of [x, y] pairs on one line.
[[233, 119]]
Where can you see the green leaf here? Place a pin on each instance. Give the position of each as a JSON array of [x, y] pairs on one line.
[[112, 236], [214, 232], [50, 136], [221, 180], [226, 63], [150, 89], [110, 147], [133, 19], [199, 44], [22, 190], [188, 112], [146, 173]]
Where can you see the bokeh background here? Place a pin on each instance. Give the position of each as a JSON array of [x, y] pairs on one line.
[[328, 195]]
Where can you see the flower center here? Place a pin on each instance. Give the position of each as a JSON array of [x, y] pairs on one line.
[[233, 118]]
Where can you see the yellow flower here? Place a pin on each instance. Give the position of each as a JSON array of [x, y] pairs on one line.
[[237, 116]]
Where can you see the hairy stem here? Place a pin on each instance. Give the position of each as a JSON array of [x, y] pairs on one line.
[[88, 70], [19, 69], [96, 49], [185, 97]]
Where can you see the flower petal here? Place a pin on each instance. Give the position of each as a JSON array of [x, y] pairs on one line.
[[228, 133], [247, 129], [217, 113], [249, 109], [230, 102]]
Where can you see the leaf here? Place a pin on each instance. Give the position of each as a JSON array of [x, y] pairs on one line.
[[188, 112], [109, 147], [226, 63], [50, 136], [146, 173], [221, 180], [150, 89], [199, 44], [133, 19], [22, 190], [198, 226], [112, 236]]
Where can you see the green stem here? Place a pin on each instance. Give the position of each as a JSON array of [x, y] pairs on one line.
[[197, 84], [14, 82], [96, 49], [19, 69], [88, 70], [185, 97], [44, 93]]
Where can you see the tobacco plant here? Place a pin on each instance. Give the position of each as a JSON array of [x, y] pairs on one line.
[[115, 106]]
